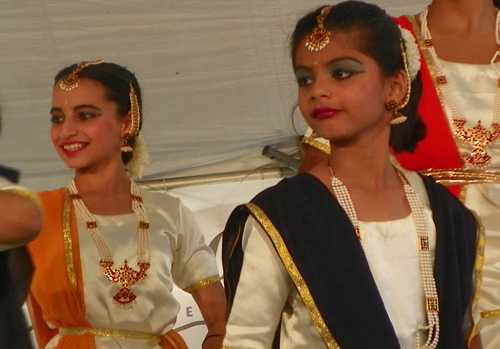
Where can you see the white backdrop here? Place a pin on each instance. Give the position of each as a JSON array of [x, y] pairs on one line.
[[217, 87]]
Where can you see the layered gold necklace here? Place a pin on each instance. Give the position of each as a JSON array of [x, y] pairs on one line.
[[431, 300], [125, 276], [478, 136]]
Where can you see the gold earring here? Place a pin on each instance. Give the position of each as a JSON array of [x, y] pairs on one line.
[[126, 148], [397, 117]]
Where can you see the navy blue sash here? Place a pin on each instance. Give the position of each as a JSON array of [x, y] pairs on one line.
[[334, 266]]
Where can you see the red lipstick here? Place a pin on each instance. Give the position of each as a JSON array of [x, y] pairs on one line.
[[324, 112]]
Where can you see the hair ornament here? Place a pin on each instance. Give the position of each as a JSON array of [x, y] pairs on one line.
[[412, 53], [135, 112], [71, 81], [135, 120], [140, 159], [319, 38]]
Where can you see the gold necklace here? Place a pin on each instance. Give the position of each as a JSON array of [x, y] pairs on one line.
[[125, 276], [429, 283], [478, 136]]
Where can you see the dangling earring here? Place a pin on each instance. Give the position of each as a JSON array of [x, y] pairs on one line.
[[397, 117], [135, 122], [126, 148]]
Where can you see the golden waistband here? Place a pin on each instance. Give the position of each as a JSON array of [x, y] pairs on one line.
[[462, 176], [107, 332], [490, 314]]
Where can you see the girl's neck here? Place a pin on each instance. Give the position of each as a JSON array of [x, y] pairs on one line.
[[372, 183], [367, 167], [102, 183], [363, 172]]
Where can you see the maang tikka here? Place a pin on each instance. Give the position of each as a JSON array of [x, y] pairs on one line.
[[71, 80], [319, 38]]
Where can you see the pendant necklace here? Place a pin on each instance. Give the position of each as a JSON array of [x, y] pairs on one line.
[[124, 276], [431, 301], [478, 136]]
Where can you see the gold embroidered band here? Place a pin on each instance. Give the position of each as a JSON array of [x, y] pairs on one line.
[[294, 274], [26, 194], [478, 276], [319, 38], [202, 283], [107, 332], [491, 314], [462, 176], [71, 81], [68, 244]]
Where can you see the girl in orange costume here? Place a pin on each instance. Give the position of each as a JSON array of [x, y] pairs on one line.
[[109, 252]]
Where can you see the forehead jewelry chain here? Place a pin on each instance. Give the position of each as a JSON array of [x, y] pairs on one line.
[[125, 276], [71, 81], [431, 301], [478, 136], [319, 38]]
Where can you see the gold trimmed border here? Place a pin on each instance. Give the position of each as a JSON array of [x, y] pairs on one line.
[[478, 273], [314, 143], [462, 176], [202, 283], [294, 274], [417, 32], [68, 246], [26, 194], [490, 314], [107, 332]]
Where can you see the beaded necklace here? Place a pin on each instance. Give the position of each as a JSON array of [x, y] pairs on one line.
[[125, 275], [429, 284], [478, 136]]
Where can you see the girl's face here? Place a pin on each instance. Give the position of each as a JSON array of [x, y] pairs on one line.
[[87, 131], [342, 92]]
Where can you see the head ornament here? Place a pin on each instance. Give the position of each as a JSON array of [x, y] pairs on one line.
[[71, 81], [319, 38]]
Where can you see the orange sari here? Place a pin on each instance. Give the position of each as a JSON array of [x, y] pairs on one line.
[[56, 293]]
